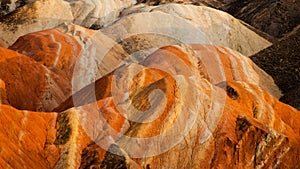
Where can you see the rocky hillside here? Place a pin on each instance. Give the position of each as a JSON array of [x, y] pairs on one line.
[[146, 84], [281, 61]]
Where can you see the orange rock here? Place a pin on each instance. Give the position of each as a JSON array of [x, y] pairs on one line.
[[202, 120], [52, 48], [186, 106], [3, 94], [23, 139], [2, 43], [30, 85]]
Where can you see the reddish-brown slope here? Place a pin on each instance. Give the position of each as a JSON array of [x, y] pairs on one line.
[[30, 85], [26, 139], [54, 49]]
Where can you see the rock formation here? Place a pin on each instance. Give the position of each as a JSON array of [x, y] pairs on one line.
[[276, 18], [281, 61], [46, 14], [182, 22], [34, 17], [30, 85], [236, 124], [163, 86], [53, 48], [27, 139], [97, 13], [3, 94]]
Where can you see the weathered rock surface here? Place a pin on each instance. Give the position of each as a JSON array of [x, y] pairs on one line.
[[236, 124], [210, 3], [181, 107], [72, 52], [182, 22], [33, 17], [276, 18], [27, 139], [7, 6], [281, 61], [214, 60], [97, 13], [53, 48], [46, 14], [140, 96], [30, 85], [3, 94]]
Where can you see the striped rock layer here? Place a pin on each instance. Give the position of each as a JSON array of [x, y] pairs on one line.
[[184, 106], [28, 84], [199, 119]]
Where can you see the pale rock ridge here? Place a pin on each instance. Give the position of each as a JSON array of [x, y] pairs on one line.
[[33, 17], [46, 14], [213, 27], [97, 13]]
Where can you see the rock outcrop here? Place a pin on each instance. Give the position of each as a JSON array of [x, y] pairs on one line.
[[53, 48], [30, 85], [46, 14], [173, 109], [193, 121], [162, 86], [276, 18], [3, 94], [213, 59], [182, 22], [27, 139], [39, 15], [281, 61], [7, 6], [97, 13]]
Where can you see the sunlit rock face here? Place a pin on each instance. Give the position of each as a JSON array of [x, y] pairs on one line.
[[27, 139], [3, 94], [53, 48], [33, 17], [214, 66], [97, 13], [46, 14], [30, 85], [174, 108], [161, 86], [199, 120], [182, 22]]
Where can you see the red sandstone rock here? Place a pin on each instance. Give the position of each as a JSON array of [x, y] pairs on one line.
[[202, 120], [30, 85], [237, 123], [52, 48], [27, 139], [3, 94]]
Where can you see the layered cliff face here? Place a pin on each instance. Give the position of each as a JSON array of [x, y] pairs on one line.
[[166, 86]]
